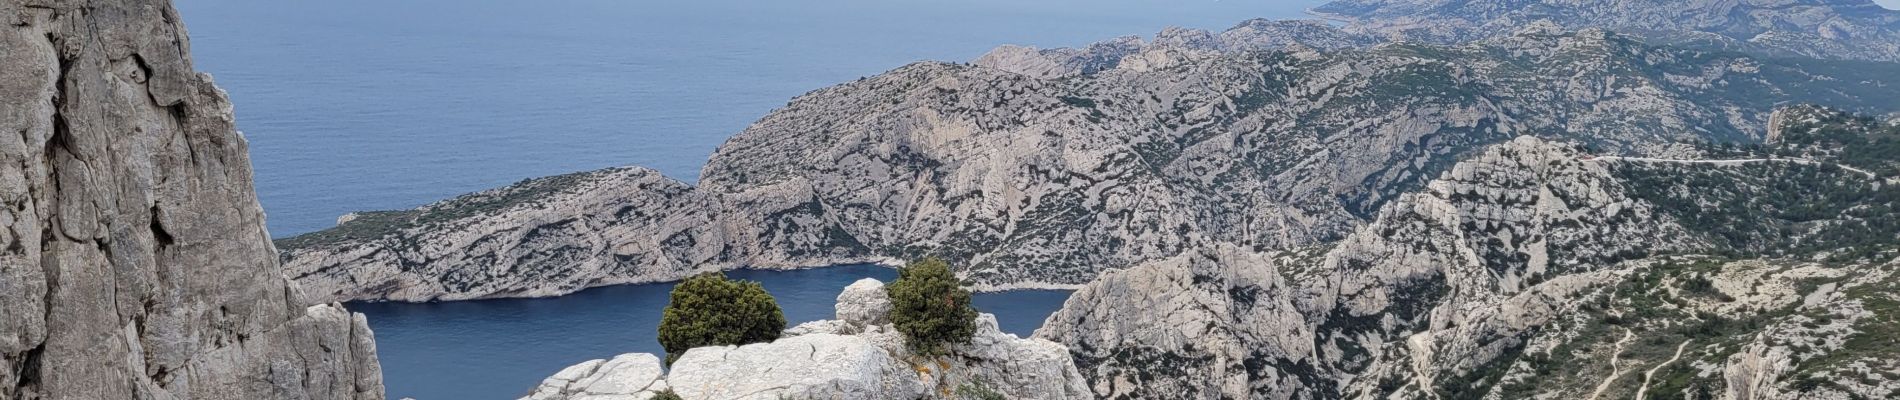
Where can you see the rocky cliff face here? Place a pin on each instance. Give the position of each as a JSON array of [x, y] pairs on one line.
[[1033, 181], [1530, 270], [1832, 29], [858, 356], [134, 263]]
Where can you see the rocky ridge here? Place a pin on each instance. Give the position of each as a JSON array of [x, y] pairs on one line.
[[1827, 29], [1046, 182], [858, 356], [134, 262], [1530, 270]]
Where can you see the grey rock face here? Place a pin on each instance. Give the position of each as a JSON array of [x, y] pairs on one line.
[[1530, 270], [837, 359], [633, 376], [816, 366], [134, 262], [1835, 29]]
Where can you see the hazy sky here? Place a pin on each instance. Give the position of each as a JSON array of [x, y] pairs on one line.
[[1894, 4]]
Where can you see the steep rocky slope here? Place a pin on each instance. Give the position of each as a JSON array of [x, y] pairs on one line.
[[134, 262], [1533, 270], [858, 356], [1033, 181], [1831, 29]]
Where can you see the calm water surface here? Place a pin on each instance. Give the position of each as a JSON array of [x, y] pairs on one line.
[[500, 349]]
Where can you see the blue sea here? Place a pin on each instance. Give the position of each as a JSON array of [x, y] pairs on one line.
[[354, 105]]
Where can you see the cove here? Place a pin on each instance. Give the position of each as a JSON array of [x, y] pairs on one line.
[[499, 349]]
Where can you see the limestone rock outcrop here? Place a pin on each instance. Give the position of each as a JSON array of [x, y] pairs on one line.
[[134, 262], [859, 357], [634, 376], [814, 366], [864, 304]]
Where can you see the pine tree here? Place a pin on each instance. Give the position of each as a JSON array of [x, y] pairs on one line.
[[708, 310], [931, 308]]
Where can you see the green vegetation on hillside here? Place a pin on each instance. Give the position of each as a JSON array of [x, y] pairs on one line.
[[1775, 208], [1853, 140], [371, 225]]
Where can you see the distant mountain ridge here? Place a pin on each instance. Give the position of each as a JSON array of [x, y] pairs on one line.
[[1823, 29], [1829, 29]]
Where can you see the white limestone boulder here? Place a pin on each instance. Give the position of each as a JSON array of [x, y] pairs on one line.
[[816, 366], [864, 304], [635, 376]]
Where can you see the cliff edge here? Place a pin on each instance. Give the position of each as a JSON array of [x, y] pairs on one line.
[[134, 262]]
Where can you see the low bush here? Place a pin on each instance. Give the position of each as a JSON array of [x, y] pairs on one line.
[[931, 308], [709, 310]]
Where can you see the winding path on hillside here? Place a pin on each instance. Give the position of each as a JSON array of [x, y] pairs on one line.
[[1801, 161], [1615, 370], [1651, 375]]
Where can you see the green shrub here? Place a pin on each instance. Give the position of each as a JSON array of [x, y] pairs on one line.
[[666, 395], [978, 391], [931, 308], [708, 310]]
